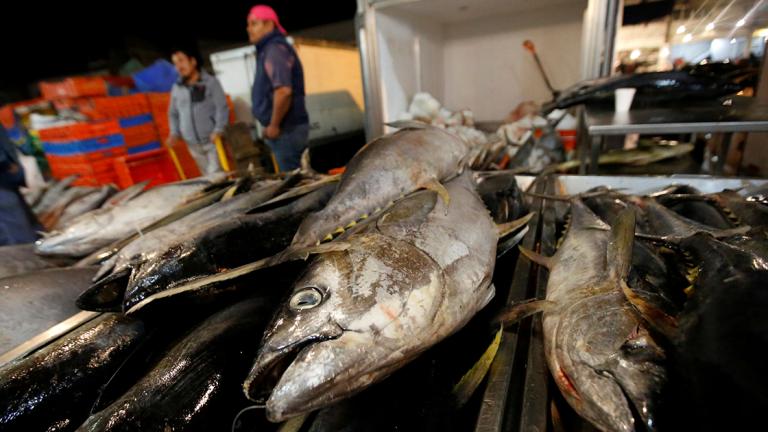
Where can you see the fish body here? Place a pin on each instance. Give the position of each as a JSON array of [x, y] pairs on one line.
[[595, 345], [54, 388], [382, 171], [84, 204], [650, 87], [406, 280], [104, 226], [52, 194], [196, 385]]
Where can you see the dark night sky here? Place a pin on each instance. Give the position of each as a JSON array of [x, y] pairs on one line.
[[61, 38]]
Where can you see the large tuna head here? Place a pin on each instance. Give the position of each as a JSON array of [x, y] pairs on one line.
[[353, 317]]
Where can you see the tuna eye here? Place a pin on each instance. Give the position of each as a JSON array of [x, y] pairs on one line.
[[307, 298]]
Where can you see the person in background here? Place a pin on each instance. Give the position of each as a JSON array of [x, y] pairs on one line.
[[198, 111], [17, 224], [278, 89]]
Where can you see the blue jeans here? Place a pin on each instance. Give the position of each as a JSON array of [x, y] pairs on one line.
[[16, 221], [289, 146]]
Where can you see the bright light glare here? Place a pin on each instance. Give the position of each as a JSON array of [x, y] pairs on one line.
[[635, 54], [681, 29], [741, 22], [687, 38], [710, 27]]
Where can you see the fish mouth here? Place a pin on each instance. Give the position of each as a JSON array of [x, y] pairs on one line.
[[105, 295], [270, 365]]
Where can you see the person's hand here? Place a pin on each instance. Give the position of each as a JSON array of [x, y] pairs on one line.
[[272, 132], [172, 140], [215, 136]]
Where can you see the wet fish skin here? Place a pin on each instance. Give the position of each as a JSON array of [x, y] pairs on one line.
[[651, 86], [85, 204], [406, 281], [52, 194], [590, 331], [53, 389], [718, 374], [101, 227], [241, 240], [382, 171], [196, 386], [754, 214]]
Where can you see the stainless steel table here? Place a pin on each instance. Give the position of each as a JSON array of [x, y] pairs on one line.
[[726, 116]]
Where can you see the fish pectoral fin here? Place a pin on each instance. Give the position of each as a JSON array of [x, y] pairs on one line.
[[652, 314], [539, 259], [508, 228], [437, 187], [506, 245], [464, 389], [518, 311], [230, 192]]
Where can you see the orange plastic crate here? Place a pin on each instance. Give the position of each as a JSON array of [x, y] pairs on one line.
[[80, 131], [156, 166], [74, 87]]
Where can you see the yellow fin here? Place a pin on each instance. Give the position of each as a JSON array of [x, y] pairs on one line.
[[339, 230], [537, 258], [329, 237], [464, 389], [508, 228], [438, 188], [351, 224]]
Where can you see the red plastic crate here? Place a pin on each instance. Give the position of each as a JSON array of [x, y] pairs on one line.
[[140, 135], [74, 87], [80, 131], [156, 166]]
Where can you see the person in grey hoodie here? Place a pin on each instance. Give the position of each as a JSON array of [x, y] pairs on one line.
[[198, 111]]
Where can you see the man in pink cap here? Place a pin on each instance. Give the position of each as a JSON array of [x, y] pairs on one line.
[[278, 89]]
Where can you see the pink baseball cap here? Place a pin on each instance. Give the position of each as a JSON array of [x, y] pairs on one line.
[[265, 13]]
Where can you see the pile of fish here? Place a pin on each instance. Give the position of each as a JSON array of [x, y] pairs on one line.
[[58, 202], [224, 295], [235, 302], [653, 316]]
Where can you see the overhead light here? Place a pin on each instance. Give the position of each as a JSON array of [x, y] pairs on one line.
[[741, 22], [733, 41], [635, 54], [710, 27], [664, 52], [681, 29], [687, 38], [703, 62]]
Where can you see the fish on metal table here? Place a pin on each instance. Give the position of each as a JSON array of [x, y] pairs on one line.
[[603, 360], [396, 286], [89, 202]]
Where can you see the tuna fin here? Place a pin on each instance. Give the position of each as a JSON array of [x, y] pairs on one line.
[[230, 192], [518, 311], [653, 315], [508, 228], [126, 194], [539, 259], [304, 252], [105, 295], [437, 187], [507, 245], [468, 383], [293, 424], [407, 124], [619, 251]]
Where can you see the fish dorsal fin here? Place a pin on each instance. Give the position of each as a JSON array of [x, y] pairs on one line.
[[127, 194], [652, 314], [508, 228], [619, 251]]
